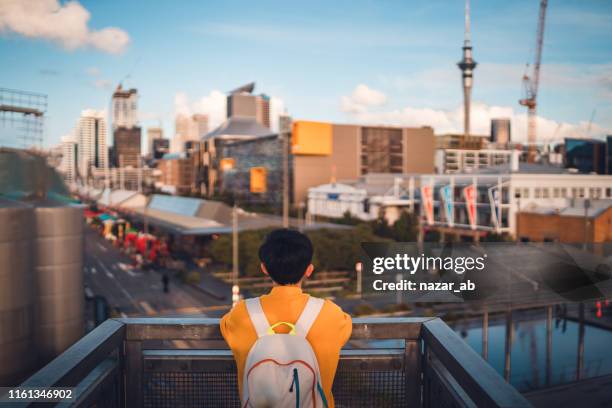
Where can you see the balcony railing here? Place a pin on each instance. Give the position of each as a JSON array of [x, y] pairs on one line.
[[184, 362]]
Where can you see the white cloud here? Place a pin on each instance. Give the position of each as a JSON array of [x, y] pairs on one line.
[[214, 105], [361, 98], [66, 25], [451, 121]]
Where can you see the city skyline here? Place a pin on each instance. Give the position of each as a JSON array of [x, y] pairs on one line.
[[311, 63]]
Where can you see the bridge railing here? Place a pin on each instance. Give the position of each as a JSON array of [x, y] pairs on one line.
[[183, 362]]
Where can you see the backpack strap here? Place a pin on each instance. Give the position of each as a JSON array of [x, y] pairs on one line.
[[309, 315], [257, 315]]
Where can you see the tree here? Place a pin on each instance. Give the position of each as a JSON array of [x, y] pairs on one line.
[[334, 249], [405, 228]]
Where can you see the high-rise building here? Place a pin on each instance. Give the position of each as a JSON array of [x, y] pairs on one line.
[[125, 108], [467, 65], [160, 148], [200, 126], [127, 147], [609, 154], [182, 131], [585, 155], [500, 131], [91, 141], [152, 134], [126, 133], [189, 129], [69, 164], [177, 173], [241, 103], [262, 109]]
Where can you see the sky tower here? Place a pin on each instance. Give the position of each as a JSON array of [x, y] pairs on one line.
[[467, 65]]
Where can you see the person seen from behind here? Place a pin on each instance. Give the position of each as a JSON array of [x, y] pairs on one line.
[[287, 343]]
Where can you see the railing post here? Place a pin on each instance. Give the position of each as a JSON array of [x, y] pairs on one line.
[[412, 368], [121, 375], [426, 392], [133, 374]]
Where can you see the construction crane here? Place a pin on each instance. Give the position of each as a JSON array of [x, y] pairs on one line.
[[530, 85]]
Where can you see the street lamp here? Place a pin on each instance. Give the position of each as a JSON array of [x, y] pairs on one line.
[[359, 269], [284, 134], [587, 205], [235, 286]]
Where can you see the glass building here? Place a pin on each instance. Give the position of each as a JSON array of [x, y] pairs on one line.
[[609, 154], [585, 155]]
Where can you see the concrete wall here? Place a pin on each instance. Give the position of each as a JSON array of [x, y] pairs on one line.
[[242, 105], [310, 171], [419, 150]]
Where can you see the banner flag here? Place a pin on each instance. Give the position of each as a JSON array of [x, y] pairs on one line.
[[469, 193], [427, 198], [447, 195]]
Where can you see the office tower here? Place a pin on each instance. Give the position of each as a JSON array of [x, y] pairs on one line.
[[500, 131], [585, 155], [262, 109], [199, 126], [467, 65], [189, 129], [160, 148], [127, 147], [125, 108], [126, 133], [69, 164], [91, 142], [609, 154], [182, 131], [241, 103], [152, 134]]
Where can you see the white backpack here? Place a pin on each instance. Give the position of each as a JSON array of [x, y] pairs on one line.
[[281, 370]]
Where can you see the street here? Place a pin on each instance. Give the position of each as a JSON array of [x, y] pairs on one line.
[[133, 292]]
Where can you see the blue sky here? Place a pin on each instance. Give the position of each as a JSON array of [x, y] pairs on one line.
[[390, 62]]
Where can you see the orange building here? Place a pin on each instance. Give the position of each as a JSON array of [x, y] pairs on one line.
[[320, 152], [568, 225]]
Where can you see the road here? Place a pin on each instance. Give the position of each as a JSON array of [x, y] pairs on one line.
[[132, 292]]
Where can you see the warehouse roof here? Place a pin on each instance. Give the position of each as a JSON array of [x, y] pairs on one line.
[[195, 216], [574, 208]]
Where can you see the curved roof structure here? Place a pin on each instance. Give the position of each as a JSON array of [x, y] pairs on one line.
[[238, 127], [248, 88]]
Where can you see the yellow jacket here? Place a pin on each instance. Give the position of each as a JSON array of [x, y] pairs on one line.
[[328, 334]]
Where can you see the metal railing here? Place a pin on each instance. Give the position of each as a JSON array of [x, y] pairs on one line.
[[184, 362]]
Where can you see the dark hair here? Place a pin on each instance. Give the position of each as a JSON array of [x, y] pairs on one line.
[[286, 254]]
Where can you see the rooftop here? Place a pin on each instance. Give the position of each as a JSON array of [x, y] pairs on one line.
[[195, 216], [575, 208], [241, 127], [247, 88], [523, 168]]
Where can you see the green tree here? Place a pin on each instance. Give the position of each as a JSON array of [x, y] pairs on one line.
[[334, 249], [405, 228]]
